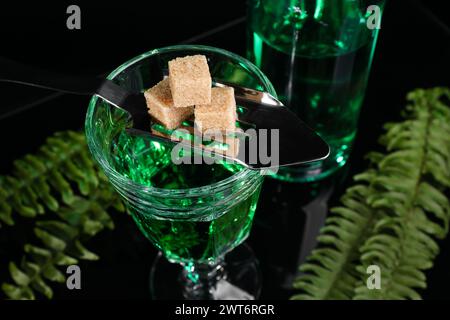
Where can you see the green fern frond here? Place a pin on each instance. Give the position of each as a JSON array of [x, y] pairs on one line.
[[393, 215], [66, 198], [423, 214], [330, 271]]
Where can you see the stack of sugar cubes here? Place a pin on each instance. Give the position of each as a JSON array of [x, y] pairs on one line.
[[187, 91]]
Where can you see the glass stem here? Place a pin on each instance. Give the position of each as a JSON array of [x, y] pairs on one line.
[[199, 280]]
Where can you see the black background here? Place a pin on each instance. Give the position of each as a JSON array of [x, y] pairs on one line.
[[413, 51]]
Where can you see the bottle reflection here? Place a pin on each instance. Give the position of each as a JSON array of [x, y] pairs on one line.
[[286, 226]]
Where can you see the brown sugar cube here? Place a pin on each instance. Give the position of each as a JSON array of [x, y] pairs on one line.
[[220, 114], [160, 105], [190, 81]]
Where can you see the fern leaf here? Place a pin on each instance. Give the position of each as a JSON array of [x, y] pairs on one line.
[[66, 197], [425, 212], [397, 216]]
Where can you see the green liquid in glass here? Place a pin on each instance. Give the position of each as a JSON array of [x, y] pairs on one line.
[[318, 60], [202, 240]]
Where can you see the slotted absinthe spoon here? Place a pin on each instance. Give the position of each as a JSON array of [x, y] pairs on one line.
[[297, 143]]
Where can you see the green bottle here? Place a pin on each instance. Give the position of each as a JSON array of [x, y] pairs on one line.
[[317, 54]]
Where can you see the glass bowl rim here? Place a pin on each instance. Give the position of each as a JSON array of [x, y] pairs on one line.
[[196, 191]]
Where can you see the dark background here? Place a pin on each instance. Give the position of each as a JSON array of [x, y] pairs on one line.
[[413, 51]]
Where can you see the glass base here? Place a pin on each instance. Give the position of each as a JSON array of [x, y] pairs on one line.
[[238, 278]]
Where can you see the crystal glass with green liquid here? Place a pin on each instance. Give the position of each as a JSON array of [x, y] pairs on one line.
[[318, 55], [193, 213]]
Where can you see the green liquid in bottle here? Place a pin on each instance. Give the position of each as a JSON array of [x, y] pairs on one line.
[[318, 59]]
